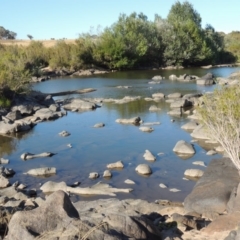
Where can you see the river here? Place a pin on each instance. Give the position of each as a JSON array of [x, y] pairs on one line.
[[94, 148]]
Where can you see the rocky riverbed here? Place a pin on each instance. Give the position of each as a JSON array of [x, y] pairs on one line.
[[210, 211]]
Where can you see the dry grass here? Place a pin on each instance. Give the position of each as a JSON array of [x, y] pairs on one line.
[[46, 43]]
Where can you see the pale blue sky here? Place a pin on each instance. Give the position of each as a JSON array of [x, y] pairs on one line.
[[45, 19]]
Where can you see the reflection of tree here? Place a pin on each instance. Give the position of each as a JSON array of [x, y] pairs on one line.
[[134, 108], [7, 145]]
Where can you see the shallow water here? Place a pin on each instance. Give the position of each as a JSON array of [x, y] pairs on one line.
[[94, 148]]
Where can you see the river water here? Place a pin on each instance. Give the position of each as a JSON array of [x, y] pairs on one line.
[[94, 148]]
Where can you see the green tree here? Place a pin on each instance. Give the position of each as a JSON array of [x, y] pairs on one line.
[[183, 36], [7, 34], [131, 42]]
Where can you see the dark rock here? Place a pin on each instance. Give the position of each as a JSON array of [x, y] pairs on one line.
[[56, 213], [212, 191]]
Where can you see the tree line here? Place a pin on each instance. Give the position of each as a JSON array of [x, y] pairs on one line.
[[132, 42]]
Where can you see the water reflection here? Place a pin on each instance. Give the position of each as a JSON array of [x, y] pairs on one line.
[[94, 148]]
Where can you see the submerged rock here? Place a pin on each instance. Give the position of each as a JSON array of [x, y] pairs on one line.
[[27, 156]]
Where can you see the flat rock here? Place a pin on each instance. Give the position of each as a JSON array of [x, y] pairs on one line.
[[45, 171], [194, 173], [117, 164], [183, 147], [146, 129], [77, 104], [200, 163], [212, 191], [134, 120], [27, 156], [200, 132], [211, 152], [128, 181], [99, 125], [143, 169], [64, 133], [97, 189]]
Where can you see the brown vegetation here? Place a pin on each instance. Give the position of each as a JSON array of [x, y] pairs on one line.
[[46, 43]]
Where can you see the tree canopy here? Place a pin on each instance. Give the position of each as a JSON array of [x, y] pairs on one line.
[[7, 34]]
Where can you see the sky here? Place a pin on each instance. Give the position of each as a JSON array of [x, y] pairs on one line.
[[45, 19]]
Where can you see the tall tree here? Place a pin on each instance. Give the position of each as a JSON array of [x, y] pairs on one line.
[[183, 36], [132, 41]]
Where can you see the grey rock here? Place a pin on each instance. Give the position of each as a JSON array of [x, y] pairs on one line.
[[93, 175], [146, 129], [14, 115], [212, 191], [27, 156], [118, 164], [55, 214], [181, 103], [107, 174], [183, 147], [64, 133], [79, 104], [134, 120], [149, 156], [193, 173], [4, 182], [143, 169], [45, 171]]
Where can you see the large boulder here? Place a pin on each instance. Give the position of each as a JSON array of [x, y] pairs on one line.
[[50, 218], [212, 191]]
